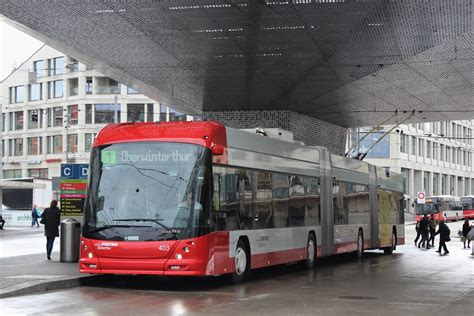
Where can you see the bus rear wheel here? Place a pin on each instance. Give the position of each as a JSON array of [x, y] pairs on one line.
[[310, 252], [389, 250], [242, 261]]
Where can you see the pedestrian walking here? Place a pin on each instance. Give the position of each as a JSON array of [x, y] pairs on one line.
[[424, 231], [418, 233], [470, 236], [50, 218], [432, 228], [34, 216], [444, 232], [465, 230], [2, 222]]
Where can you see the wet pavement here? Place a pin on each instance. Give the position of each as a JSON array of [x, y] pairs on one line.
[[411, 281]]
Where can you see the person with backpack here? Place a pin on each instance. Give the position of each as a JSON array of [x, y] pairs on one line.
[[432, 228], [444, 233]]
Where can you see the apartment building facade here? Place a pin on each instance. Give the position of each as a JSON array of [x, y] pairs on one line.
[[52, 107]]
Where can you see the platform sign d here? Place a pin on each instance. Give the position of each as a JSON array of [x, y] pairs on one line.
[[420, 197]]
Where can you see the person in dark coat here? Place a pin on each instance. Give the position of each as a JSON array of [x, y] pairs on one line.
[[465, 230], [51, 218], [424, 231], [432, 227], [418, 233], [444, 232], [2, 222]]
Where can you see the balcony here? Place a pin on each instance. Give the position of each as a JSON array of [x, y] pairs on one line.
[[107, 90]]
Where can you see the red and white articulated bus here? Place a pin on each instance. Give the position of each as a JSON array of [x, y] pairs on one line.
[[201, 199], [468, 206], [445, 207]]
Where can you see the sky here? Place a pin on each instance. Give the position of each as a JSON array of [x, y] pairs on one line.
[[15, 48]]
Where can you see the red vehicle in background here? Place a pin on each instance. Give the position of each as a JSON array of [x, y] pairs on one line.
[[445, 207], [468, 206]]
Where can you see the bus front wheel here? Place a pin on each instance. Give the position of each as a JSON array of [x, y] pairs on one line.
[[242, 261]]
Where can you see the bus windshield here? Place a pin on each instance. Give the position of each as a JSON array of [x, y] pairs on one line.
[[146, 191], [427, 208]]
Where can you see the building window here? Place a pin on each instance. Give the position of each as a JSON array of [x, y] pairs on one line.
[[413, 145], [420, 147], [18, 120], [89, 139], [41, 173], [57, 144], [34, 145], [12, 174], [38, 68], [56, 89], [403, 143], [131, 91], [441, 153], [73, 114], [428, 149], [176, 116], [135, 112], [57, 116], [56, 66], [89, 89], [10, 121], [3, 121], [105, 85], [17, 94], [88, 113], [149, 112], [163, 114], [18, 144], [107, 113], [35, 92], [34, 118], [72, 143]]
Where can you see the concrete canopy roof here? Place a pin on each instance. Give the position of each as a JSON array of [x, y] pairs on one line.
[[348, 62]]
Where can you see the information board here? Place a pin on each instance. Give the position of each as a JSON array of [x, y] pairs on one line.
[[73, 186]]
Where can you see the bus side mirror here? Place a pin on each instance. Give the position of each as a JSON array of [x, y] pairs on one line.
[[217, 150]]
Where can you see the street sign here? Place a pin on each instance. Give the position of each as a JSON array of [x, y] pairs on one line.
[[420, 197]]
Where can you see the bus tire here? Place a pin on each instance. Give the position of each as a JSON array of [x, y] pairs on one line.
[[360, 244], [242, 262], [311, 247], [389, 250]]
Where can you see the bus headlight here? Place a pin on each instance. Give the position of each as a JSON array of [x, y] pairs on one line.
[[90, 255], [186, 249], [179, 256]]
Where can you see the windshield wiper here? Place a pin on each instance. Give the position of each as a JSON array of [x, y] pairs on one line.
[[98, 229], [157, 221]]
